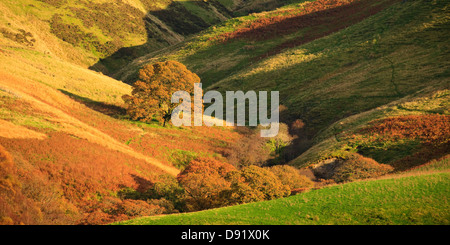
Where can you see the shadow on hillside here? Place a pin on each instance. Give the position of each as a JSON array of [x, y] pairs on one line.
[[164, 27], [143, 184], [329, 19], [137, 193], [104, 108]]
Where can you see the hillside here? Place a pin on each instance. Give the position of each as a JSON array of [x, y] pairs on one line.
[[106, 34], [364, 88], [69, 153], [67, 148], [380, 54]]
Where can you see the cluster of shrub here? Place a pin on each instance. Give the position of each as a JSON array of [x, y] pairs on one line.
[[350, 167], [204, 184], [15, 207], [208, 183], [22, 37]]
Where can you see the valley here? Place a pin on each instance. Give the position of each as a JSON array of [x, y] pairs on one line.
[[364, 113]]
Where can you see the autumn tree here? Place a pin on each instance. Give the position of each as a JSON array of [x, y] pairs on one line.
[[253, 184], [204, 182], [152, 92]]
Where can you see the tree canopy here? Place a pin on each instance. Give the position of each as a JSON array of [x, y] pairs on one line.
[[152, 92]]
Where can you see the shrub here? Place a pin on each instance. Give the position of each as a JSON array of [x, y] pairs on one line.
[[253, 184], [169, 189], [405, 141], [291, 177], [251, 149], [204, 181], [23, 37], [358, 167], [431, 129], [279, 142], [55, 3], [181, 158], [112, 209]]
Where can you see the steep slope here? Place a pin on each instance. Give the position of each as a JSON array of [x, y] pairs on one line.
[[106, 34], [329, 59], [69, 152]]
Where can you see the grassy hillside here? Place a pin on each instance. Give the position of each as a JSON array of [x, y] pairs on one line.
[[404, 133], [421, 199], [106, 34], [378, 55]]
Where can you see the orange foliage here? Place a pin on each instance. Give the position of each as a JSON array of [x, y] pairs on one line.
[[152, 93], [204, 181], [432, 129], [114, 209], [71, 171], [208, 183], [69, 177], [15, 207], [291, 177], [358, 167], [162, 143], [253, 184]]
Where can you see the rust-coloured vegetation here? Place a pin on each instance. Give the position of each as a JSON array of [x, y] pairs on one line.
[[152, 93], [210, 183], [357, 167], [427, 136], [15, 206], [430, 129]]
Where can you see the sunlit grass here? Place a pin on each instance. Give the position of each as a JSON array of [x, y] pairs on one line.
[[62, 75]]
